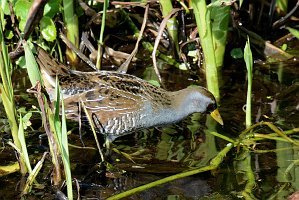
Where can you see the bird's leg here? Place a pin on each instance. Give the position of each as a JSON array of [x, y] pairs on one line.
[[80, 123], [100, 129], [108, 145]]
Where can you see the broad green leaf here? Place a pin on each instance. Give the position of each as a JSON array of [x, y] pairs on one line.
[[5, 7], [52, 8], [22, 8], [294, 32], [48, 28]]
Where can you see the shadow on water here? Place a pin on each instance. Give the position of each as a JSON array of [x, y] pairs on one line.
[[160, 152]]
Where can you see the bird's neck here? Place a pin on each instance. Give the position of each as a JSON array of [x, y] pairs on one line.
[[182, 104]]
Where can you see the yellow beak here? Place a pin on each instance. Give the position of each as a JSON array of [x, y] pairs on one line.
[[216, 115]]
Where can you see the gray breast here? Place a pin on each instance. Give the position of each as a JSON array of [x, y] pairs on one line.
[[126, 123]]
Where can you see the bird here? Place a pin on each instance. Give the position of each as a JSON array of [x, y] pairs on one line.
[[122, 103]]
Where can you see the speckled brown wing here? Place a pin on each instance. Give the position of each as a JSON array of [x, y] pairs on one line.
[[111, 109], [111, 84], [118, 101], [134, 85], [104, 98]]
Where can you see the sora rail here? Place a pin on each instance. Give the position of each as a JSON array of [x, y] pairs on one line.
[[122, 103]]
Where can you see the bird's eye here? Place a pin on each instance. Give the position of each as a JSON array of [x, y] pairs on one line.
[[211, 107]]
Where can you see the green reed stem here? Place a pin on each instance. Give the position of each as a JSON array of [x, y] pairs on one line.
[[203, 22], [257, 136], [272, 150], [268, 137], [172, 25], [223, 137], [277, 132], [249, 63], [221, 17], [72, 28], [280, 133], [100, 43], [213, 165], [247, 192]]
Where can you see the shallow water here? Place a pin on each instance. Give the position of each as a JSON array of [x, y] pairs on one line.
[[161, 152]]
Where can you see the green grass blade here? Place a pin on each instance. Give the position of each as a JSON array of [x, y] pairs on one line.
[[57, 123], [33, 174], [6, 92], [61, 131], [294, 32], [21, 136], [31, 65], [65, 154], [5, 70]]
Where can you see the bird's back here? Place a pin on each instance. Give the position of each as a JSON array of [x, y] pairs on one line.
[[118, 103]]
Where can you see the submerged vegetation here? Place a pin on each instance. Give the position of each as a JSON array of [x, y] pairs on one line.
[[197, 43]]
